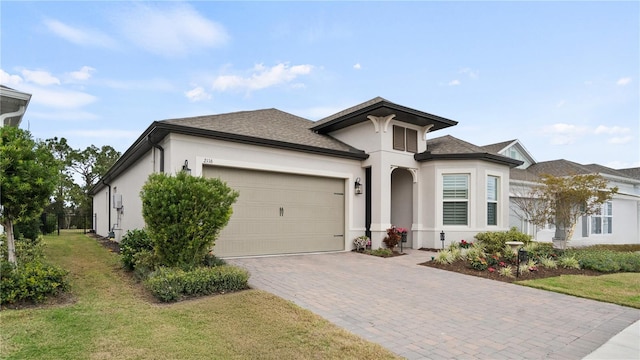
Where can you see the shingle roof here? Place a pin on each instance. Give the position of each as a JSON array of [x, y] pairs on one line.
[[380, 107], [451, 145], [270, 124], [633, 173], [495, 148], [563, 167]]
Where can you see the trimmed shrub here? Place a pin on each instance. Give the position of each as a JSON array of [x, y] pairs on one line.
[[211, 260], [133, 242], [171, 284], [380, 252], [184, 215], [607, 260], [31, 281], [495, 241]]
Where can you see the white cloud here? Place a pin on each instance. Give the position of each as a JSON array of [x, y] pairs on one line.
[[197, 94], [174, 30], [611, 130], [261, 77], [454, 82], [83, 74], [623, 81], [64, 99], [80, 36], [357, 66], [9, 80], [473, 74], [620, 140], [40, 77], [564, 134]]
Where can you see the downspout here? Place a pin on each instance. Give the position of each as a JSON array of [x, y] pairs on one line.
[[20, 112], [109, 207], [155, 145]]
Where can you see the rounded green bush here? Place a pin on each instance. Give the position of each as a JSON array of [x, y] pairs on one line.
[[133, 242]]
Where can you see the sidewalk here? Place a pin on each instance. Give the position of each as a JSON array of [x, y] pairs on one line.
[[625, 345]]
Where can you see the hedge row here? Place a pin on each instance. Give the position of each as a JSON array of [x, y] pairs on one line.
[[170, 284]]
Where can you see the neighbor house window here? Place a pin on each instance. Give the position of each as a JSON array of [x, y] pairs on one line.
[[455, 195], [601, 221], [405, 139], [492, 200]]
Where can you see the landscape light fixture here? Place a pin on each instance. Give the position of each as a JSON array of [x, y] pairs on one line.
[[442, 238], [185, 167], [358, 186]]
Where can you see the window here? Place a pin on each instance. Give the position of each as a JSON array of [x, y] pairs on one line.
[[492, 200], [602, 220], [455, 195], [405, 139]]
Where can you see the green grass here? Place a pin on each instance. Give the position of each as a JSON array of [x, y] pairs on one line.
[[112, 317], [619, 288]]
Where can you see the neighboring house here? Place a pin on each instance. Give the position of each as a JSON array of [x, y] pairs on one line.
[[13, 105], [618, 221], [314, 186]]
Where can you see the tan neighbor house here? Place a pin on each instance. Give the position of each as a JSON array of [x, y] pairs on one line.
[[314, 186]]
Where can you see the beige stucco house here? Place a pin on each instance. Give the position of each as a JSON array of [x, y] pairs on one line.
[[314, 186]]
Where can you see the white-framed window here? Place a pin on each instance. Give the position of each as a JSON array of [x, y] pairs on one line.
[[602, 220], [492, 200], [455, 199]]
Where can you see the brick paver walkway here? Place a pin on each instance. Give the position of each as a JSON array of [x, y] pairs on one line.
[[425, 313]]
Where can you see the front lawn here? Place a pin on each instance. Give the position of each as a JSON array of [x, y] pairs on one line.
[[109, 316]]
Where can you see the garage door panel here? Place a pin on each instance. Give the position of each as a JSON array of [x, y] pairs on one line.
[[311, 219]]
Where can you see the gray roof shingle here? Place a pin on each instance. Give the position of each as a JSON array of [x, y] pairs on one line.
[[270, 124], [633, 173]]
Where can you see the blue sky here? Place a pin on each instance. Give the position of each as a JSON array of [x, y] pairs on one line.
[[562, 77]]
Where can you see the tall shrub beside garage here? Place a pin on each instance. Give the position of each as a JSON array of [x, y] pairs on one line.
[[184, 215]]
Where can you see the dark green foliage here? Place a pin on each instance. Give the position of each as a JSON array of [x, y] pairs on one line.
[[184, 215], [145, 263], [133, 242], [211, 260], [542, 249], [31, 281], [479, 263], [606, 260], [381, 252], [28, 176], [171, 284], [28, 228], [495, 241]]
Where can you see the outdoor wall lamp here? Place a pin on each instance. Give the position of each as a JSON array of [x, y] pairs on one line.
[[358, 186], [185, 167], [442, 238]]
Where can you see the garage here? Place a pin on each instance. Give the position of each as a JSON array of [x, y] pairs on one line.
[[279, 213]]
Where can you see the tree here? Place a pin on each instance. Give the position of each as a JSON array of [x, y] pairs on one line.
[[61, 151], [184, 215], [91, 164], [563, 200], [28, 176]]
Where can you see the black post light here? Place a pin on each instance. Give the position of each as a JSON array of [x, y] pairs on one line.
[[442, 238], [358, 186], [522, 256], [185, 167]]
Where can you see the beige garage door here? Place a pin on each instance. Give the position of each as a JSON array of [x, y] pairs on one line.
[[279, 213]]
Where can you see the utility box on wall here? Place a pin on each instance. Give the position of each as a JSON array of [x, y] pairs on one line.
[[117, 201]]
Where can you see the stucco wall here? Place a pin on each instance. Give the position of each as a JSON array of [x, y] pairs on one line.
[[431, 174]]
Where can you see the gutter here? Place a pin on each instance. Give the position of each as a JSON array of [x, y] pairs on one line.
[[109, 207], [155, 145], [20, 112]]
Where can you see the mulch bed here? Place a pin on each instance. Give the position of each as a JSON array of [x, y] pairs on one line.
[[112, 245]]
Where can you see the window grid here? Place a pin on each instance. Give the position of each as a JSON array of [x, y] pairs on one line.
[[602, 220]]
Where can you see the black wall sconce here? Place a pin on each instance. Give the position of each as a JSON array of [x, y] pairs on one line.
[[442, 238], [185, 167], [358, 186]]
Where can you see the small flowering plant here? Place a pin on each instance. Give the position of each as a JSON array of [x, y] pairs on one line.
[[401, 230], [464, 244]]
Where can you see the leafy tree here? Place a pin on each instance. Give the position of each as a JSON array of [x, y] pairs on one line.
[[61, 151], [184, 215], [563, 200], [90, 164], [28, 173]]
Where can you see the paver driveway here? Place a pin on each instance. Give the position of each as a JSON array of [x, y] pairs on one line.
[[420, 312]]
